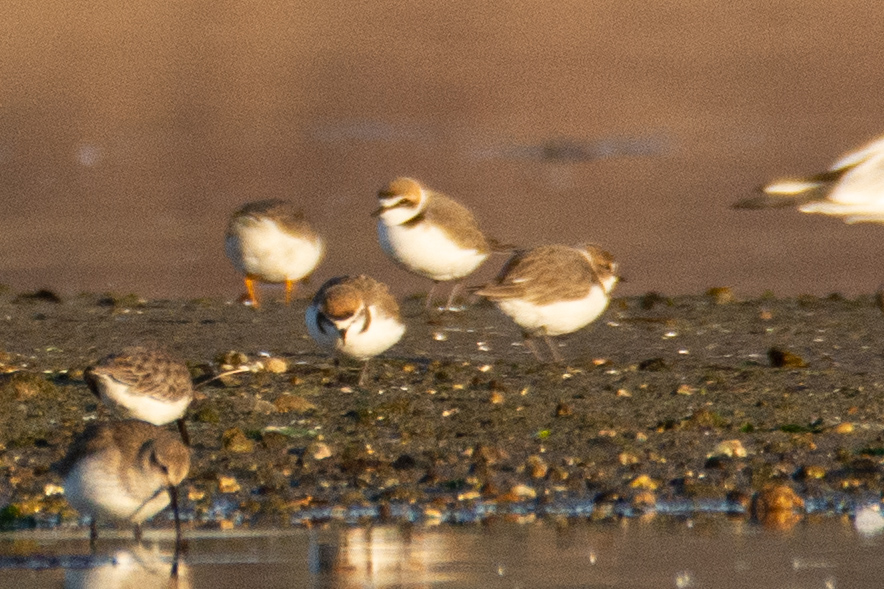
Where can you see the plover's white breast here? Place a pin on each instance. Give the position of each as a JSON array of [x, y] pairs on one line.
[[559, 317], [426, 249], [381, 334], [264, 250]]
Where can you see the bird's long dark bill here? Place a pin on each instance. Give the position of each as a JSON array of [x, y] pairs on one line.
[[182, 429], [173, 501]]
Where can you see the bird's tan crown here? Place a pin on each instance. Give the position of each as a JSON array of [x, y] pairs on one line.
[[402, 187], [602, 261], [341, 301]]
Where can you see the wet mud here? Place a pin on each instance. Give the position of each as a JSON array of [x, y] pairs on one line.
[[766, 407]]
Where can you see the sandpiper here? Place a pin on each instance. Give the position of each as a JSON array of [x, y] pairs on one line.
[[124, 471], [429, 234], [852, 188], [270, 241], [144, 383], [553, 289], [356, 316]]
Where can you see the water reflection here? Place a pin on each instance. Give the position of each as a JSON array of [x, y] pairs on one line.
[[664, 552], [136, 568], [381, 557]]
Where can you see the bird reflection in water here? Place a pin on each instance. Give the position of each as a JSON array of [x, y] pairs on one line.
[[136, 568], [380, 557]]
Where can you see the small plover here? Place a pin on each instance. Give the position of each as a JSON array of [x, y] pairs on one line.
[[144, 383], [270, 241], [124, 471], [553, 289], [429, 234], [852, 188], [356, 316]]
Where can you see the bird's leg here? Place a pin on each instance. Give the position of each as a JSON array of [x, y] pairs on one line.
[[250, 288], [182, 429], [529, 343], [557, 357], [429, 303], [290, 287], [451, 297], [93, 534], [363, 374]]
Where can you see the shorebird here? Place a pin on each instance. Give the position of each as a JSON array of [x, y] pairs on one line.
[[125, 471], [270, 241], [852, 188], [356, 316], [553, 290], [144, 383], [429, 234]]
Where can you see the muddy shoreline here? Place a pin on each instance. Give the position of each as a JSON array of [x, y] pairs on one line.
[[666, 405]]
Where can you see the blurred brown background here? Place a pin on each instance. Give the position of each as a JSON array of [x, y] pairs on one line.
[[128, 133]]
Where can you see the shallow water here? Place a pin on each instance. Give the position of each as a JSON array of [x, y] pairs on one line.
[[131, 132], [676, 552]]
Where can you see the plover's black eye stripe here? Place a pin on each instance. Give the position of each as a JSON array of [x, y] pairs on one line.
[[416, 220], [367, 322]]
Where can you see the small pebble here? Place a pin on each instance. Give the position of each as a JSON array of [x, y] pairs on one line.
[[685, 389], [780, 358], [644, 482], [293, 403], [275, 365], [721, 295], [227, 484], [844, 428], [319, 450], [536, 467], [730, 449], [234, 440]]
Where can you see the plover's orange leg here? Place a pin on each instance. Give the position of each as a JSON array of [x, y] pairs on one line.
[[290, 287], [250, 288]]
